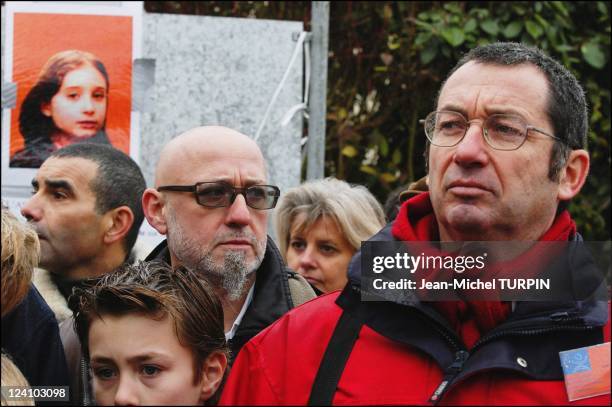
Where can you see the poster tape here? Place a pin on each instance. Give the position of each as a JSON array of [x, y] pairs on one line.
[[143, 79], [9, 95]]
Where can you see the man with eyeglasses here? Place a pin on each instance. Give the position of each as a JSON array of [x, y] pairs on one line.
[[506, 153], [212, 199]]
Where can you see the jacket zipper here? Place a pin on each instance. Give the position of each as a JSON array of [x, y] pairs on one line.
[[85, 398], [449, 375], [462, 355], [451, 372], [535, 331]]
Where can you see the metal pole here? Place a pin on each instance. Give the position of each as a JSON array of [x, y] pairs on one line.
[[318, 90]]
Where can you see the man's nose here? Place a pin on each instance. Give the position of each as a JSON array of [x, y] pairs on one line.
[[473, 149], [239, 213], [126, 394], [32, 210]]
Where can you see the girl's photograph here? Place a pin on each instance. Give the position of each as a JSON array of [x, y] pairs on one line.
[[70, 87]]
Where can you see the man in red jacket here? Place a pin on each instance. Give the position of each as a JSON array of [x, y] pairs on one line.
[[506, 153]]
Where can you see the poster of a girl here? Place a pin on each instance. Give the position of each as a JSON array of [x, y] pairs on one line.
[[68, 104]]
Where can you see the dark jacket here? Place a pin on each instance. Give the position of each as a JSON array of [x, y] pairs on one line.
[[351, 351], [30, 335], [271, 298]]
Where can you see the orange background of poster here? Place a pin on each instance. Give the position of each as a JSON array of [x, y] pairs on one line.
[[38, 36]]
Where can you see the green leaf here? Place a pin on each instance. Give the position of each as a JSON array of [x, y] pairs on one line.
[[428, 54], [470, 25], [396, 158], [380, 68], [513, 29], [518, 9], [422, 24], [551, 33], [387, 12], [534, 29], [593, 55], [490, 27], [480, 12], [387, 177], [437, 16], [452, 7], [541, 20], [393, 42], [422, 38], [482, 41], [368, 170], [601, 6], [349, 151], [596, 116], [383, 147], [562, 22], [560, 7], [454, 36]]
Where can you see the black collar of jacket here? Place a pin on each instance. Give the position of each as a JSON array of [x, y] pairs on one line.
[[271, 298], [535, 331]]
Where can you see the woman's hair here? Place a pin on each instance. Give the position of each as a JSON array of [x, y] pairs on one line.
[[12, 377], [35, 126], [155, 290], [353, 208], [20, 254]]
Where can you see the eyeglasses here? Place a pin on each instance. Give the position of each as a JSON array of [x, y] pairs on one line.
[[501, 131], [220, 194]]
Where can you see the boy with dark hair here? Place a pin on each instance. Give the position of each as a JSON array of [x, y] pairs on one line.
[[153, 336]]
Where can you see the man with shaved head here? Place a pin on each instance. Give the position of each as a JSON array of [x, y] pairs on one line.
[[211, 200]]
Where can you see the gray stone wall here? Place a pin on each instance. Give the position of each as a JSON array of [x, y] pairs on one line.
[[217, 70]]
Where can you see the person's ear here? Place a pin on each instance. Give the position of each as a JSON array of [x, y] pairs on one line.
[[45, 109], [153, 206], [213, 371], [573, 175], [118, 224]]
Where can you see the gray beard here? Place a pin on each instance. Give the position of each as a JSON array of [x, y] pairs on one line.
[[232, 275]]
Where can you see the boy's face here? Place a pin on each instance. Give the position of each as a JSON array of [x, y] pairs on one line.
[[136, 360]]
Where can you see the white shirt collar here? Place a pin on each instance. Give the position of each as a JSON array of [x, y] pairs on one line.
[[230, 334]]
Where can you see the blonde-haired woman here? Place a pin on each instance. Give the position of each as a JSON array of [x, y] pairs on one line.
[[20, 253], [321, 224], [30, 334], [12, 377]]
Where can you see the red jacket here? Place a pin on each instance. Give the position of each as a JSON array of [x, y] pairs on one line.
[[412, 354], [279, 365]]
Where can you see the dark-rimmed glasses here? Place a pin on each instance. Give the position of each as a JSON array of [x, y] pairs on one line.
[[501, 131], [220, 194]]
